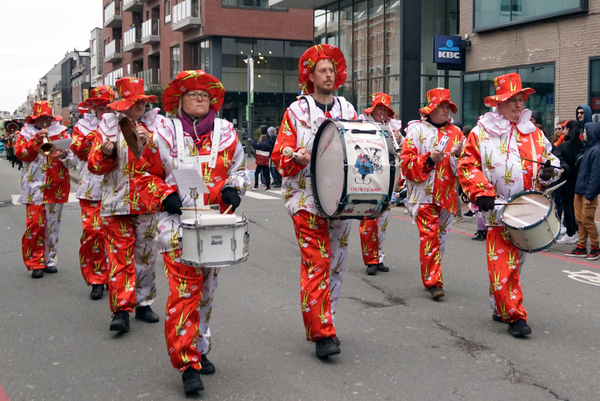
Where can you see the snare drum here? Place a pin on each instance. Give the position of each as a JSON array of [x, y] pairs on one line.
[[352, 169], [214, 240], [531, 221]]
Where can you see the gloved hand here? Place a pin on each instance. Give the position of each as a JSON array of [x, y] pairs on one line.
[[231, 197], [172, 204], [547, 172], [485, 203]]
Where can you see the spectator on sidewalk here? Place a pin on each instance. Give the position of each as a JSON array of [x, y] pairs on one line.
[[263, 154], [587, 189], [272, 135]]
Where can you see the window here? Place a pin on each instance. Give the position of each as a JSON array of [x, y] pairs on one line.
[[167, 11], [258, 4], [175, 61], [594, 80], [492, 14], [93, 47]]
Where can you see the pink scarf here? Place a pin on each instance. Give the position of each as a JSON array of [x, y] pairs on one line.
[[202, 128]]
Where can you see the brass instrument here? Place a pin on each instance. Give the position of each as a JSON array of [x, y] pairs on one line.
[[134, 142], [47, 148]]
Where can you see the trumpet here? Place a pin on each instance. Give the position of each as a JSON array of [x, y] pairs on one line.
[[47, 148]]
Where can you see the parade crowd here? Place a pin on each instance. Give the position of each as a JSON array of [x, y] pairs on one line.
[[131, 205]]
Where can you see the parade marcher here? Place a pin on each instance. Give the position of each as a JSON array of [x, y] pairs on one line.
[[263, 153], [587, 188], [372, 231], [429, 162], [92, 254], [45, 186], [323, 243], [195, 97], [132, 192], [496, 165]]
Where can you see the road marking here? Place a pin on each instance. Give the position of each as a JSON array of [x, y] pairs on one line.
[[584, 276], [72, 198], [259, 196], [3, 396]]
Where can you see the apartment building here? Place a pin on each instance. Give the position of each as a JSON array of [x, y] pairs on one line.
[[156, 39]]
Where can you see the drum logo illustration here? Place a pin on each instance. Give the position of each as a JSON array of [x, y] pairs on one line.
[[368, 161]]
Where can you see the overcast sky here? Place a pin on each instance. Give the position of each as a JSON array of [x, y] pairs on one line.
[[34, 36]]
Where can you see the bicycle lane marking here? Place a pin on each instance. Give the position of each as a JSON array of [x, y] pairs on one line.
[[3, 396], [547, 254]]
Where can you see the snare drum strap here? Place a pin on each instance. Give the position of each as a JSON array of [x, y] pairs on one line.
[[198, 160], [314, 114]]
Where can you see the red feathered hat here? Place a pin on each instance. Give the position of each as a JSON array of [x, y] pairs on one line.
[[312, 56], [41, 109], [187, 81], [130, 90]]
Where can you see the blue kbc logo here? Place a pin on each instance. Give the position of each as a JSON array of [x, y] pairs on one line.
[[446, 49]]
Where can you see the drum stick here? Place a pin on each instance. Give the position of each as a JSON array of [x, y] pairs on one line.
[[228, 209], [289, 152], [535, 161]]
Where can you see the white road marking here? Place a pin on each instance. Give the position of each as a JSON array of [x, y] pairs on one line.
[[257, 195], [72, 198], [584, 276]]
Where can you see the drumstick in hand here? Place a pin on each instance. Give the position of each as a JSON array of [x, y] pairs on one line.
[[228, 209], [535, 161], [289, 152]]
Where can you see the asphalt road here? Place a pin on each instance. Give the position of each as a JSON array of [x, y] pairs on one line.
[[397, 343]]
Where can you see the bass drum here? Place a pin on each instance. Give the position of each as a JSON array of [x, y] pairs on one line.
[[352, 169], [531, 221]]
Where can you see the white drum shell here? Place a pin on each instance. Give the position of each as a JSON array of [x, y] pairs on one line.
[[214, 240], [532, 226]]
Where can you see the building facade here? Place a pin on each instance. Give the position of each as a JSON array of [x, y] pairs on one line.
[[551, 43], [96, 57], [156, 39]]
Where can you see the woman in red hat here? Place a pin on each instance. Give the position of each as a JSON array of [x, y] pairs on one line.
[[429, 162], [92, 254], [323, 244], [133, 190], [496, 164], [372, 232], [195, 97], [45, 186]]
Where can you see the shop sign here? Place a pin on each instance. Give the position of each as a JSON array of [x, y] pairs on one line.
[[446, 49]]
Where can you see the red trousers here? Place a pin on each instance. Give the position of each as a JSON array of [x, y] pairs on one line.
[[372, 236], [92, 252], [131, 250], [40, 241], [434, 225], [504, 267]]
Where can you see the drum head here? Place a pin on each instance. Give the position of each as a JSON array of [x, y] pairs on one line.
[[328, 168], [526, 210]]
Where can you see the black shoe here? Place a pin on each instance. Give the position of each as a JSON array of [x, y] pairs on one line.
[[497, 318], [191, 381], [519, 328], [382, 268], [207, 366], [326, 347], [146, 314], [37, 273], [336, 340], [468, 214], [436, 292], [50, 269], [371, 270], [479, 235], [120, 322], [97, 291]]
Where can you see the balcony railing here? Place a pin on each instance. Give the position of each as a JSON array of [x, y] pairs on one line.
[[150, 32], [133, 5], [186, 15], [132, 40], [150, 77], [112, 15], [112, 51]]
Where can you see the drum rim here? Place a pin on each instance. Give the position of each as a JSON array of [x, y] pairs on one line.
[[243, 222], [517, 196]]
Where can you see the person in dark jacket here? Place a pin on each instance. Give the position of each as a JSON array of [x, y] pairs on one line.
[[587, 188], [263, 153], [569, 152], [272, 135], [583, 115]]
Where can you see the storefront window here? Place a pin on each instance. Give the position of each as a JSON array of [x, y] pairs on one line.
[[595, 85], [392, 37], [490, 14], [477, 86]]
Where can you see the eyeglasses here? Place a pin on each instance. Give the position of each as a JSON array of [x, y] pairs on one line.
[[194, 95], [558, 129], [581, 112]]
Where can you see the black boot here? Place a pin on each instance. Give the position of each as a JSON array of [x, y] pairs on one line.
[[479, 235], [519, 328], [50, 269], [146, 314], [191, 381], [120, 322], [436, 292], [97, 291], [371, 270], [326, 347], [382, 268], [37, 273], [207, 366]]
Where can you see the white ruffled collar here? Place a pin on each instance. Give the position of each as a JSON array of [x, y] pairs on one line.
[[496, 123]]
